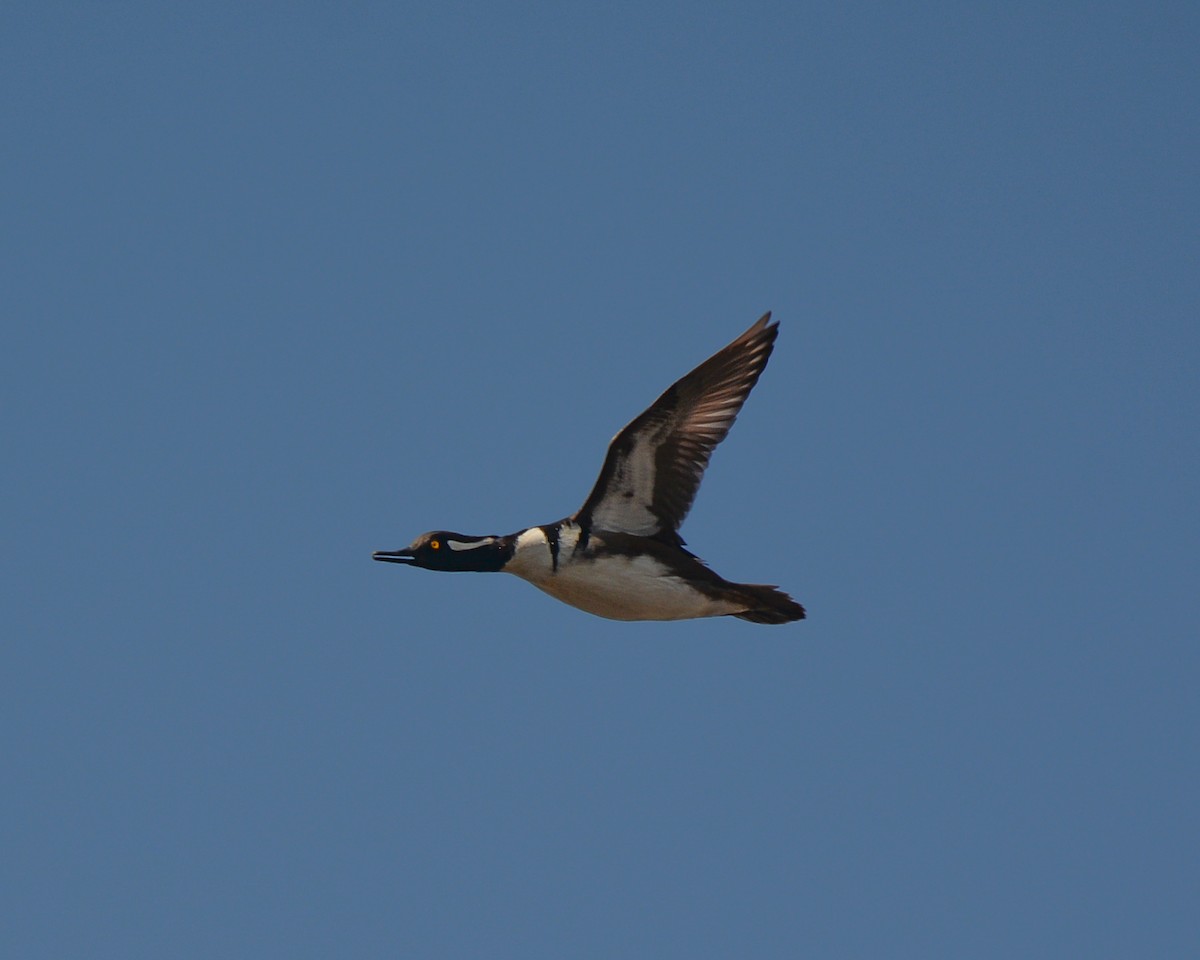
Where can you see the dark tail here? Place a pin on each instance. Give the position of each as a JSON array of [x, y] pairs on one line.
[[766, 604]]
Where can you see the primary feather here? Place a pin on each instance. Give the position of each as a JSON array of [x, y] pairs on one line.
[[655, 464]]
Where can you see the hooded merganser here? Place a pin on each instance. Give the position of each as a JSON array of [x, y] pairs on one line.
[[621, 556]]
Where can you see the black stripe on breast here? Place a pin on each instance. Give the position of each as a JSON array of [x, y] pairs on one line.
[[551, 532]]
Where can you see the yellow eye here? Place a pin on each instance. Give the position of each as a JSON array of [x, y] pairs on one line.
[[435, 544]]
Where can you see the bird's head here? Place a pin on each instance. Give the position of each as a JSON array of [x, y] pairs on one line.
[[443, 550]]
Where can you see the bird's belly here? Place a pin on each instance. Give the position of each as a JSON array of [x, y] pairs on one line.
[[629, 588]]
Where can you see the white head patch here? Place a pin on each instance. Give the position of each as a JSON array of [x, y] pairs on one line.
[[469, 545]]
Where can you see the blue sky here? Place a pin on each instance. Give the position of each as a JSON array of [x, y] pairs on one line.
[[286, 284]]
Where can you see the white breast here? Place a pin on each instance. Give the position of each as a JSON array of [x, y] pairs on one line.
[[620, 588]]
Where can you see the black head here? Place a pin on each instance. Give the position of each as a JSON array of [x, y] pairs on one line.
[[443, 550]]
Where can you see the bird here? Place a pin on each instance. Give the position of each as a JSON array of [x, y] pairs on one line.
[[620, 556]]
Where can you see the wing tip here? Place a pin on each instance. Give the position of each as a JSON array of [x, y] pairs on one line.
[[762, 327], [760, 336]]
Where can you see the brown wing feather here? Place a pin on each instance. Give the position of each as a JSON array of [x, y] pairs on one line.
[[654, 466]]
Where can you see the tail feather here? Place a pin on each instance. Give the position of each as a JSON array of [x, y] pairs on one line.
[[766, 604]]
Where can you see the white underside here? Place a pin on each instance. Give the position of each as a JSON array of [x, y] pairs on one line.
[[619, 588]]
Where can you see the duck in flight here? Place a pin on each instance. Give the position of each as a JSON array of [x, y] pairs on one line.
[[621, 556]]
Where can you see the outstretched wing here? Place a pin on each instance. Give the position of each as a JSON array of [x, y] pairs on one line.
[[654, 466]]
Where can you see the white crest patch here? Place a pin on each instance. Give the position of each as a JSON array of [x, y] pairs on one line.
[[460, 545]]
